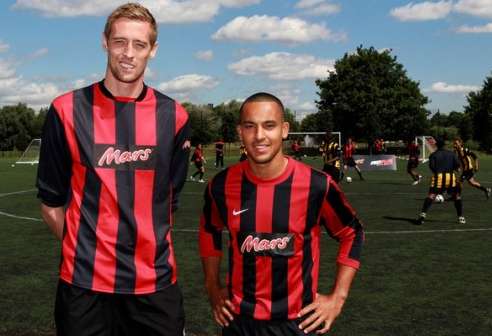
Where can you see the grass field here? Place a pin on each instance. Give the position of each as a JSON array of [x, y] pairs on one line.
[[431, 280]]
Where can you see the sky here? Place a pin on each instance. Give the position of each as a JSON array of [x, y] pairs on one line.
[[214, 51]]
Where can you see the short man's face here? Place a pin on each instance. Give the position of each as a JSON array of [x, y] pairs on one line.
[[262, 129], [129, 49]]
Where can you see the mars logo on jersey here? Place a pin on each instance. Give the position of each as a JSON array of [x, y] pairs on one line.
[[135, 157], [266, 244]]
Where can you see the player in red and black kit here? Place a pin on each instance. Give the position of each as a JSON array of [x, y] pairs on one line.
[[219, 154], [199, 160], [274, 208], [413, 161], [348, 157], [113, 160]]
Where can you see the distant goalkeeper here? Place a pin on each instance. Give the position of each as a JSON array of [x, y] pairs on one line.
[[469, 166]]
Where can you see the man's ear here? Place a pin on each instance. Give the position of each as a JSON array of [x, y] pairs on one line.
[[104, 42], [153, 51], [285, 129]]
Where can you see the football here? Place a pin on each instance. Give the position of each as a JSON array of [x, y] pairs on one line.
[[348, 179], [439, 198]]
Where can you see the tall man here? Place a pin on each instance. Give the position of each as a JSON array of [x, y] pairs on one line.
[[114, 158], [331, 156], [443, 164], [274, 208]]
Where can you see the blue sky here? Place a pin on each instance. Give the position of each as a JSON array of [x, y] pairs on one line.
[[211, 51]]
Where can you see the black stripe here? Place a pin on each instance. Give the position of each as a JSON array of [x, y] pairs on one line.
[[280, 266], [356, 248], [85, 250], [125, 189], [317, 189], [248, 224], [165, 130], [218, 195], [335, 199]]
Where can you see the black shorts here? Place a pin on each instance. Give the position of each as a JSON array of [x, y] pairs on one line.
[[350, 162], [80, 312], [199, 165], [333, 171], [246, 326], [412, 164], [466, 175]]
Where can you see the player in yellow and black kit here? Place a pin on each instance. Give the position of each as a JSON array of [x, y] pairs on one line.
[[469, 166], [443, 164], [330, 151]]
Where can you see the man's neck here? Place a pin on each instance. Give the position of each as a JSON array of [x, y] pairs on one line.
[[122, 89], [269, 170]]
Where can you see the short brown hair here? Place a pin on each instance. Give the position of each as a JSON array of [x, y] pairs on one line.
[[132, 11]]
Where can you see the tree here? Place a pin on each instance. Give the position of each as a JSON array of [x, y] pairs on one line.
[[290, 117], [228, 117], [369, 95], [455, 124], [16, 126], [202, 123], [479, 110]]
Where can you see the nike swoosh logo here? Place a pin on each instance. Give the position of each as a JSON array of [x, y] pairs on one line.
[[235, 213]]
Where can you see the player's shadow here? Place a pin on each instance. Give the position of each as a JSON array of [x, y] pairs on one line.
[[412, 221]]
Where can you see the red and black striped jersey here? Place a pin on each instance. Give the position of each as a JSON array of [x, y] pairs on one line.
[[116, 165], [413, 151], [274, 235], [348, 150], [197, 156]]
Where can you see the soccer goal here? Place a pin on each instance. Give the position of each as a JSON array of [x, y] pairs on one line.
[[309, 141], [427, 145], [31, 154]]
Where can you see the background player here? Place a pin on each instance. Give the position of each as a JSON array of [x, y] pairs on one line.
[[348, 159], [413, 161], [274, 208], [219, 154], [443, 164], [469, 166], [331, 156], [199, 160], [113, 160]]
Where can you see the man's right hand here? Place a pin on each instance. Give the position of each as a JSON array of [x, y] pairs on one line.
[[222, 307]]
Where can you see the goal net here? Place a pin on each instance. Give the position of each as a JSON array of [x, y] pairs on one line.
[[427, 145], [31, 154]]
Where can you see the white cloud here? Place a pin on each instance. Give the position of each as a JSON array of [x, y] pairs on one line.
[[284, 66], [3, 47], [318, 7], [273, 28], [165, 11], [422, 11], [187, 83], [7, 69], [205, 55], [442, 87], [475, 29], [481, 8]]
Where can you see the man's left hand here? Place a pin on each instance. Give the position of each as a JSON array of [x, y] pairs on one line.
[[321, 313]]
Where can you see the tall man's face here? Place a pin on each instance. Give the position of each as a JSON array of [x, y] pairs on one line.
[[129, 50], [262, 129]]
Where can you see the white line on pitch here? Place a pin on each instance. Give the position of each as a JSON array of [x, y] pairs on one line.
[[20, 217], [17, 192]]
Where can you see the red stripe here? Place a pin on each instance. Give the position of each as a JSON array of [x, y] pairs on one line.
[[233, 201], [298, 208], [145, 248], [315, 236], [64, 107], [106, 233], [181, 117], [264, 210], [104, 118], [145, 121]]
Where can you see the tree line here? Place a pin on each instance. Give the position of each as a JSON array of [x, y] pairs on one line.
[[368, 95]]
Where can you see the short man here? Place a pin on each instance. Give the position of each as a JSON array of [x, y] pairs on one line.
[[348, 157], [443, 164], [413, 161], [219, 154], [274, 208], [113, 160], [199, 160], [469, 166], [331, 156]]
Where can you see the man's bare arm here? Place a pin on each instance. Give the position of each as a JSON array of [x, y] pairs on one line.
[[55, 218]]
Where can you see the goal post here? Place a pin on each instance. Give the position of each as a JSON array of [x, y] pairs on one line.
[[309, 141], [427, 145], [30, 154]]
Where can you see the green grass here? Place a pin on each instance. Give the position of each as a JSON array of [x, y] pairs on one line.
[[412, 282]]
